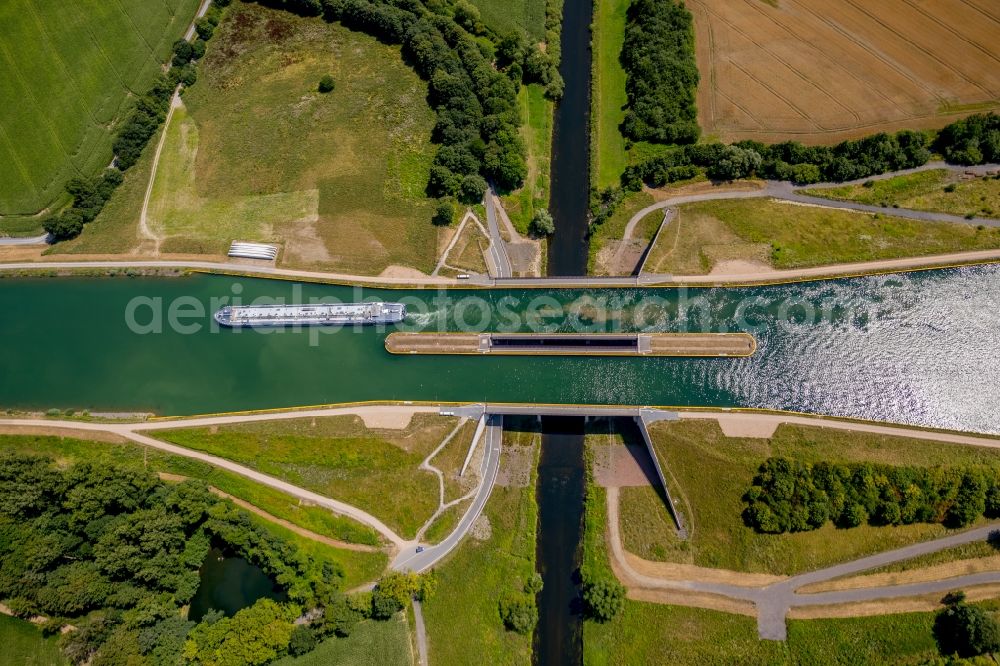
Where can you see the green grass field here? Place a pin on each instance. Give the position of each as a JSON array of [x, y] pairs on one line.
[[925, 190], [463, 620], [505, 16], [24, 645], [648, 633], [607, 145], [709, 472], [359, 567], [783, 235], [536, 114], [70, 69], [370, 644], [257, 153], [375, 470]]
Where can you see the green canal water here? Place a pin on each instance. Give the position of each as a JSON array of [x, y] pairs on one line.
[[919, 348]]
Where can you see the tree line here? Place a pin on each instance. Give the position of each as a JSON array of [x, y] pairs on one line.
[[661, 74], [972, 140], [115, 553], [88, 195], [792, 496]]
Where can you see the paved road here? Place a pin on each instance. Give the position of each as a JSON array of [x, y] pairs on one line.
[[409, 559], [33, 240], [498, 251], [787, 190]]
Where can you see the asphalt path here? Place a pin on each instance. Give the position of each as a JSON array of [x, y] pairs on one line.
[[410, 559], [498, 251]]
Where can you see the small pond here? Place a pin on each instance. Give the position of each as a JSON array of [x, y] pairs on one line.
[[230, 583]]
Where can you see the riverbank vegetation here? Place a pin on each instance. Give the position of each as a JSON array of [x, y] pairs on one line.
[[937, 190], [608, 157], [710, 473], [373, 469], [74, 72], [499, 556], [782, 235]]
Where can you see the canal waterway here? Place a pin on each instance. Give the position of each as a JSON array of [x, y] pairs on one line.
[[918, 348]]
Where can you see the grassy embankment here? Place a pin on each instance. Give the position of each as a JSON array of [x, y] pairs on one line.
[[463, 617], [782, 235], [371, 643], [359, 567], [710, 472], [72, 69], [505, 16], [608, 154], [373, 469], [338, 178], [24, 645], [536, 131], [937, 190], [656, 633]]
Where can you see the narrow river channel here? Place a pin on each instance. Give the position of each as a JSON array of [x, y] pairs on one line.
[[561, 486]]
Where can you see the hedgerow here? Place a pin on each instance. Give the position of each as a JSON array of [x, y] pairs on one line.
[[792, 496]]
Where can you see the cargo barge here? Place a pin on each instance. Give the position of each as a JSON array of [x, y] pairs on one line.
[[320, 314]]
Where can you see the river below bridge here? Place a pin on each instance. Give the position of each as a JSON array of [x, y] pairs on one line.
[[918, 348]]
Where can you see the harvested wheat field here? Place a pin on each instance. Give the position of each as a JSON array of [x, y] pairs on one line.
[[821, 71]]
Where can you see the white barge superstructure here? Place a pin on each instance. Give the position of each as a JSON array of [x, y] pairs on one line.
[[320, 314]]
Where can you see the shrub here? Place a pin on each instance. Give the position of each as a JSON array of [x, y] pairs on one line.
[[518, 612], [444, 214], [542, 223], [326, 84], [603, 599]]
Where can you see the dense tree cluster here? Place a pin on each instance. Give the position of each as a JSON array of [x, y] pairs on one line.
[[972, 140], [115, 552], [662, 76], [90, 194], [791, 496]]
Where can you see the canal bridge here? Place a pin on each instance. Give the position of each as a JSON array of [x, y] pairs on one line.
[[490, 417]]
